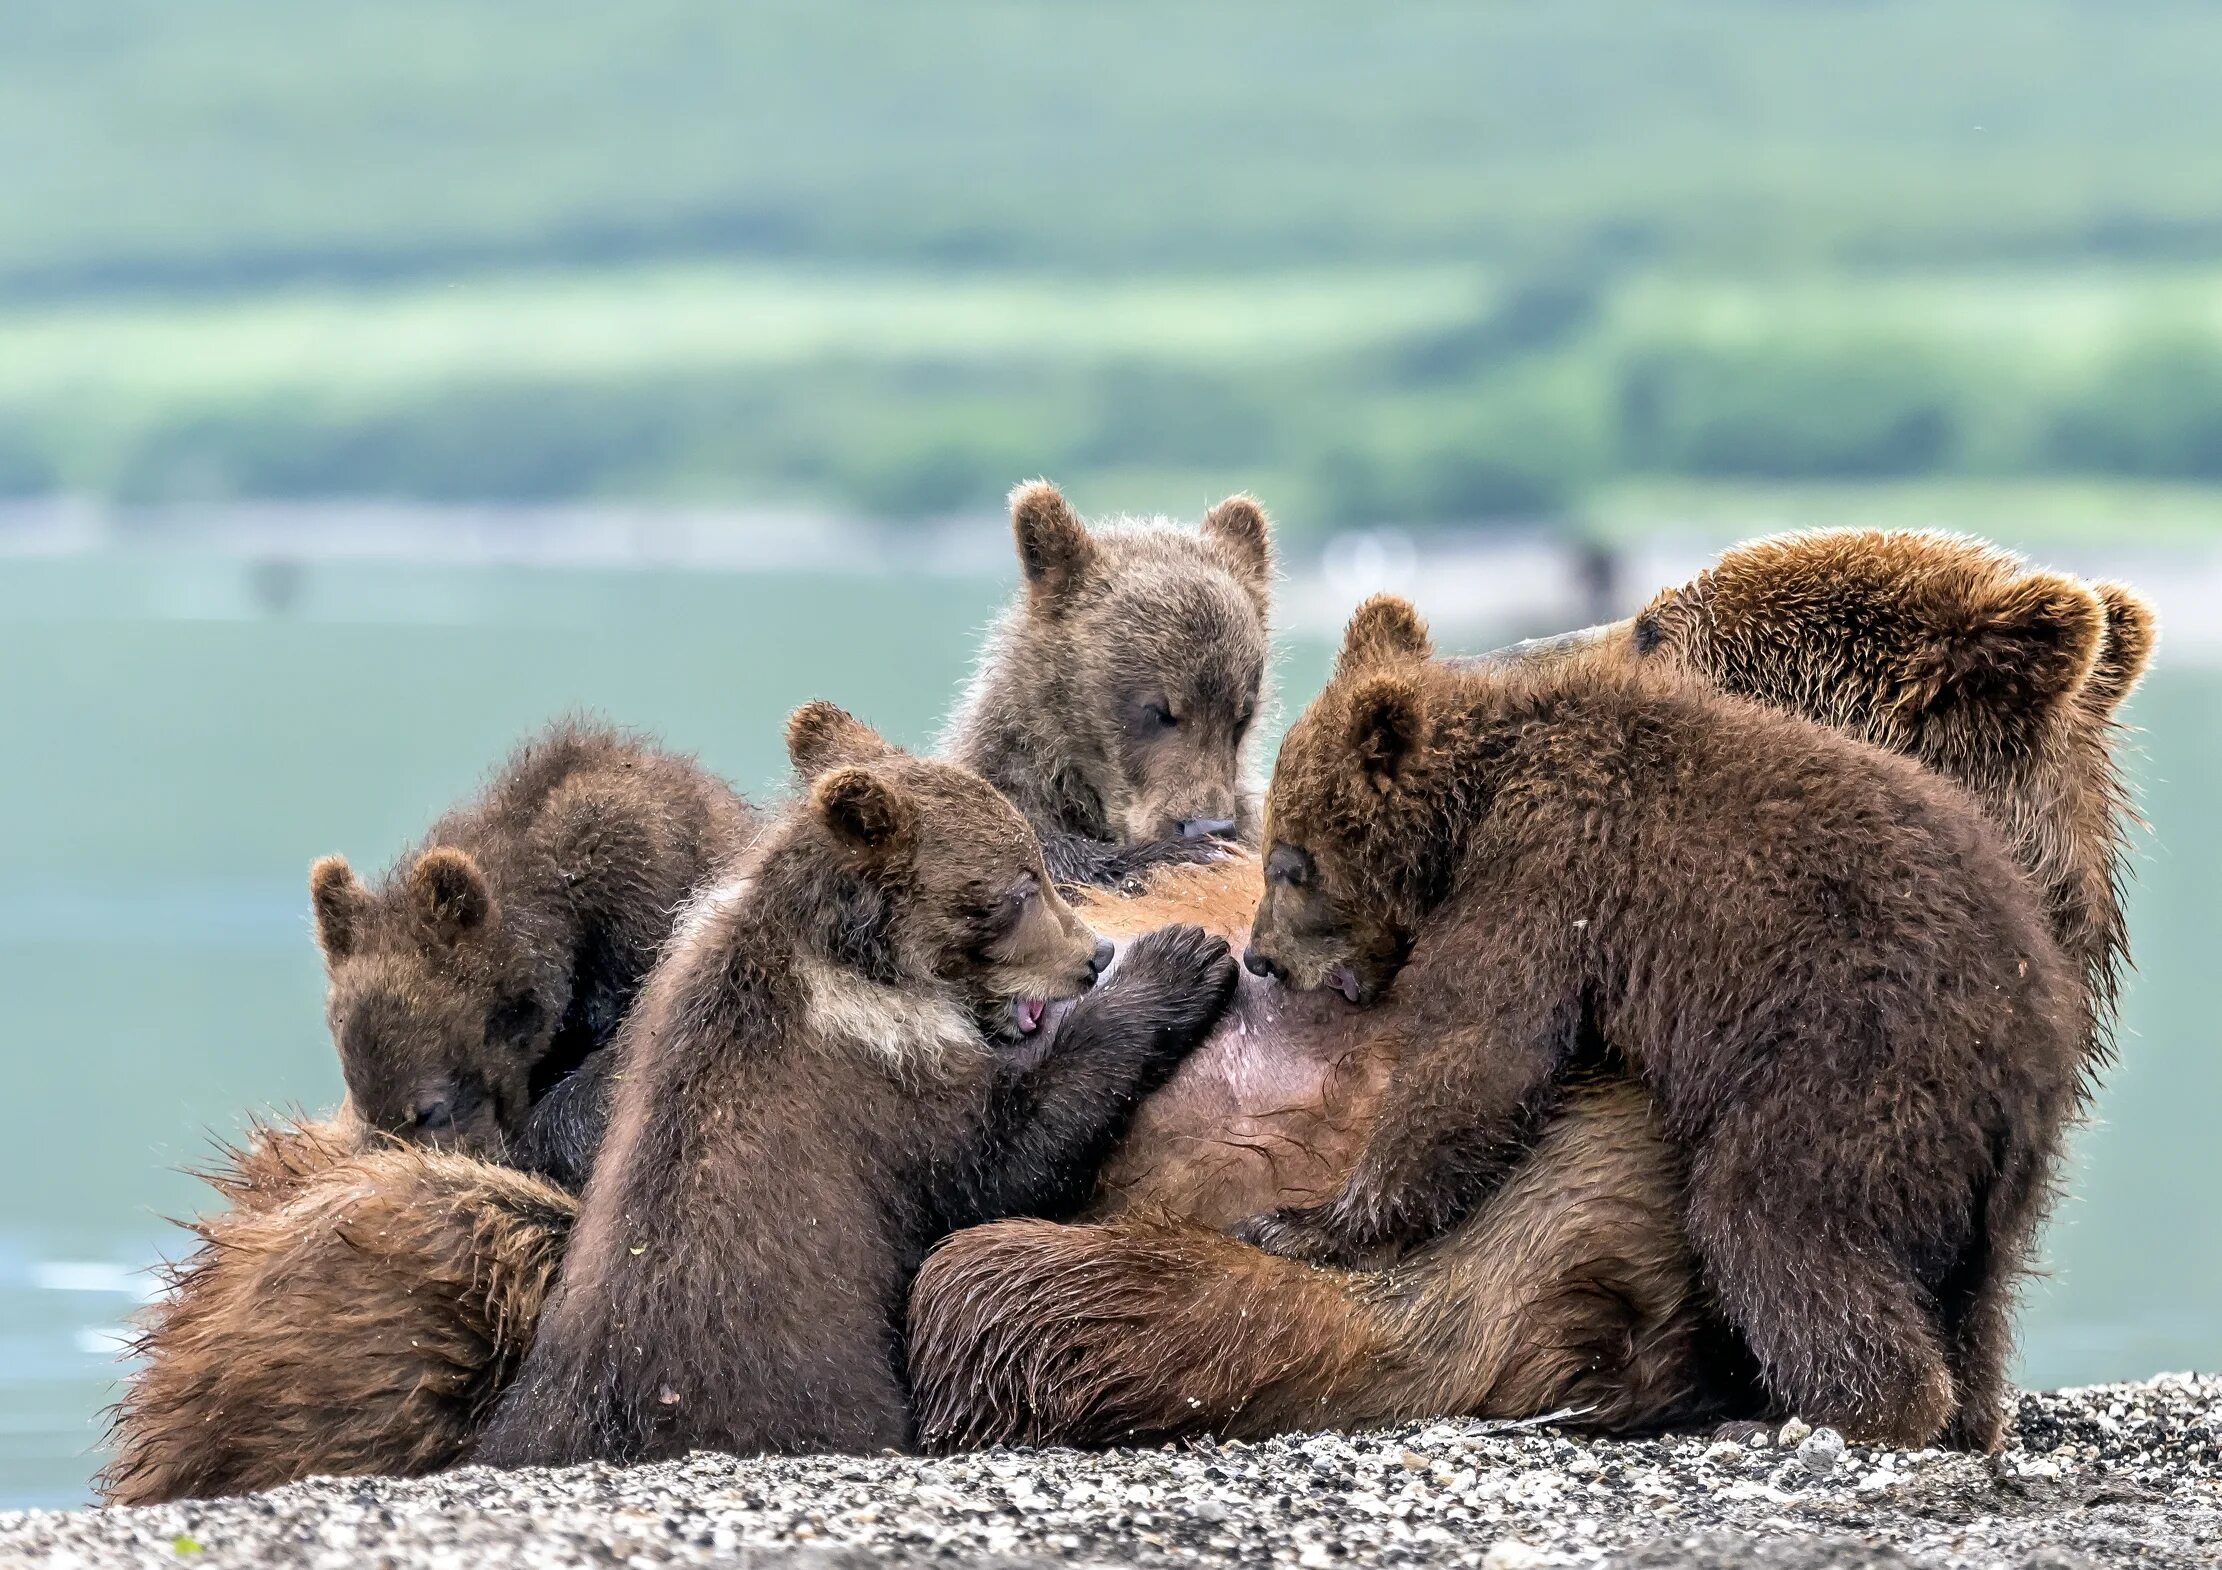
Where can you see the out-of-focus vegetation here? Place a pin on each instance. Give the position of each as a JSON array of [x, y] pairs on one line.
[[1407, 263]]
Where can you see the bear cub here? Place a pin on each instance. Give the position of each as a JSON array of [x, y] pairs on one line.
[[1116, 695], [832, 1068], [1817, 957], [488, 964]]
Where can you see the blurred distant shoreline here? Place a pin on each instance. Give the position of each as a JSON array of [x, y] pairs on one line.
[[1514, 577]]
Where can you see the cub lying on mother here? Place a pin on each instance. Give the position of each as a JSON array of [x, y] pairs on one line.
[[1814, 955]]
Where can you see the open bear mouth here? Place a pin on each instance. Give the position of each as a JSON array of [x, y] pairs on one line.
[[1026, 1014]]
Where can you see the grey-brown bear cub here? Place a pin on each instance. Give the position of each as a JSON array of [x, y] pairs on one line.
[[1115, 697], [491, 961], [826, 1073]]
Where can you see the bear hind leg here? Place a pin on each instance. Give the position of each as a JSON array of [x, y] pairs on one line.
[[1843, 1334]]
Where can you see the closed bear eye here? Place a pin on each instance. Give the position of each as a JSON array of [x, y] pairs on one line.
[[1157, 716]]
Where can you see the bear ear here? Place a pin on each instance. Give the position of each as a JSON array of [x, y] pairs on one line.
[[2130, 634], [450, 891], [822, 735], [1388, 727], [1054, 550], [342, 906], [865, 812], [1385, 631], [1240, 524], [2029, 642]]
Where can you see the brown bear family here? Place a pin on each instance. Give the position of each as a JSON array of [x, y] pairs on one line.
[[1968, 672], [1572, 1287], [525, 906]]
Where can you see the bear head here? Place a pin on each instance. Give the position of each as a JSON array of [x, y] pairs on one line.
[[921, 875], [1130, 672], [438, 1005], [1355, 848]]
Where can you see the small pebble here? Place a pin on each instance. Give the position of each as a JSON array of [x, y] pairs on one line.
[[1820, 1451]]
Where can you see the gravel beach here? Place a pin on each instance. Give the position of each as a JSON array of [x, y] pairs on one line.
[[2111, 1475]]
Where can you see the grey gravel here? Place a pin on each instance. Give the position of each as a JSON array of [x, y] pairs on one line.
[[2111, 1475]]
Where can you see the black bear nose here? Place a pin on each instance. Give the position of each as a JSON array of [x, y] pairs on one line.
[[434, 1113], [1205, 828], [1257, 964], [1100, 961]]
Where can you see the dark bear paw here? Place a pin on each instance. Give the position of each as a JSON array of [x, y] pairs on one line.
[[1185, 973], [1184, 976]]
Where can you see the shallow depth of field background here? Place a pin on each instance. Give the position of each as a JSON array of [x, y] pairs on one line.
[[377, 381]]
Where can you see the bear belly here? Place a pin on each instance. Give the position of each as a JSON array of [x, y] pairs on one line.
[[1269, 1111]]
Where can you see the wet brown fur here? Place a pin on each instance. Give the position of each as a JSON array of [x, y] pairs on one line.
[[1115, 696], [494, 958], [295, 1339], [210, 1327], [1954, 653], [1587, 1286]]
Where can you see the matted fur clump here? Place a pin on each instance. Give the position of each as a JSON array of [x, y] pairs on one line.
[[295, 1338]]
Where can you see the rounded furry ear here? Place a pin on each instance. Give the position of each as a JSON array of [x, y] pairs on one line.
[[1384, 631], [822, 735], [1388, 727], [2131, 633], [2030, 641], [450, 890], [863, 810], [1054, 550], [1240, 524], [342, 906]]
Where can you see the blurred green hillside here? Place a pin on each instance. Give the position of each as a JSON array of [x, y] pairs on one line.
[[1419, 263]]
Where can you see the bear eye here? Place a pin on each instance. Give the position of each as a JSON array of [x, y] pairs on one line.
[[1159, 716], [1288, 865]]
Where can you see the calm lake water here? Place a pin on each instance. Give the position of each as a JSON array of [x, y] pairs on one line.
[[178, 752]]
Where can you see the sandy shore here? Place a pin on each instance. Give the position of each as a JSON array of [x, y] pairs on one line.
[[2111, 1475]]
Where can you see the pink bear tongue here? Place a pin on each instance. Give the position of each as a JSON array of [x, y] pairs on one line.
[[1028, 1013]]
